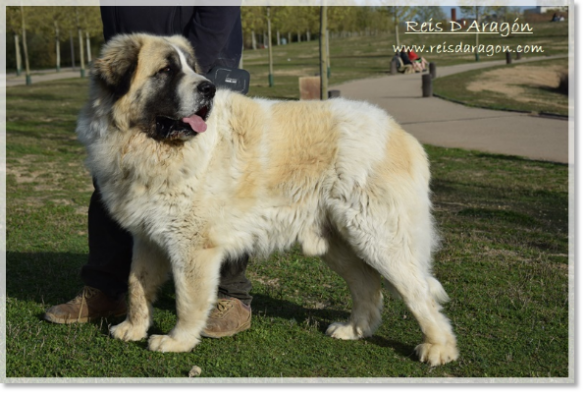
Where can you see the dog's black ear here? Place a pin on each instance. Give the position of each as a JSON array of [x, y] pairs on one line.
[[117, 63]]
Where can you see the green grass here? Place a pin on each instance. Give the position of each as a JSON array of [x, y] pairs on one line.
[[504, 262], [535, 98]]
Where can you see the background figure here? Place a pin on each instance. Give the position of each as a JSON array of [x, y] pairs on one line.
[[419, 63]]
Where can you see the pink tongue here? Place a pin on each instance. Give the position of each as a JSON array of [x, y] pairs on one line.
[[197, 124]]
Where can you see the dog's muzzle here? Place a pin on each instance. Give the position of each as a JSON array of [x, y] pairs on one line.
[[168, 128]]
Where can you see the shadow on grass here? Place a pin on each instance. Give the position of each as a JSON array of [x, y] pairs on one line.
[[515, 158], [53, 278], [529, 208]]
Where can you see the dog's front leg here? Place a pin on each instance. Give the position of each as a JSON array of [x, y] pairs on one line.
[[148, 271], [196, 279]]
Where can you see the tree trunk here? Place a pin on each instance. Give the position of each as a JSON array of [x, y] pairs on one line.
[[323, 52], [81, 57], [327, 47], [18, 57], [289, 38], [80, 36], [308, 35], [57, 48], [397, 33], [298, 36], [88, 47], [277, 37], [270, 73], [25, 47], [72, 50], [241, 64], [253, 40]]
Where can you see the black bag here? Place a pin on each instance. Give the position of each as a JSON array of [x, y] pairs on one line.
[[230, 78]]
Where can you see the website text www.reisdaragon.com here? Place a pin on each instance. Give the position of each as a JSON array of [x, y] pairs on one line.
[[487, 49]]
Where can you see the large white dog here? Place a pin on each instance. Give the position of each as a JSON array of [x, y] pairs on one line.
[[198, 175]]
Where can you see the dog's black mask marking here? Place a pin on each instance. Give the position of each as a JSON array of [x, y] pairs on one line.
[[169, 128]]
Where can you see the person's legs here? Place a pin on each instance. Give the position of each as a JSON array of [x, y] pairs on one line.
[[110, 251], [233, 282], [105, 274], [417, 66]]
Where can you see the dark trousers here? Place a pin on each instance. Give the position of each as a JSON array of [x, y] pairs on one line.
[[110, 256], [214, 32]]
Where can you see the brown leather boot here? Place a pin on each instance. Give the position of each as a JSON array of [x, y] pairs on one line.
[[229, 317], [90, 304]]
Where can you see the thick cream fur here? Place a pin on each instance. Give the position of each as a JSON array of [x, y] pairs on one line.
[[341, 178]]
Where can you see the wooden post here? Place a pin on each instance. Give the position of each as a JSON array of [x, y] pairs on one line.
[[508, 57], [393, 67], [518, 55], [427, 85], [323, 52], [433, 70], [334, 93], [310, 88]]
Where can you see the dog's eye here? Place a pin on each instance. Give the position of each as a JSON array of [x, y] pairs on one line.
[[165, 70]]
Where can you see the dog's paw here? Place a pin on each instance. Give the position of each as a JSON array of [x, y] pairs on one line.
[[126, 331], [343, 331], [166, 343], [436, 354]]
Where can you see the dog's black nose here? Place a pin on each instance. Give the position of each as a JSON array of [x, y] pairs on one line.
[[207, 89]]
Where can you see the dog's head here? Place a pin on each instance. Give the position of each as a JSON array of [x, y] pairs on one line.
[[153, 84]]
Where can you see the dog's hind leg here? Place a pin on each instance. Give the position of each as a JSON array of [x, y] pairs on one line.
[[364, 284], [402, 255], [196, 277], [423, 296], [148, 272]]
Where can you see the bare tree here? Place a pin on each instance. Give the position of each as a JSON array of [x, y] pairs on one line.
[[25, 47], [92, 25], [86, 20], [51, 21], [253, 20], [400, 14], [270, 71], [425, 13], [13, 22], [56, 20], [323, 51]]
